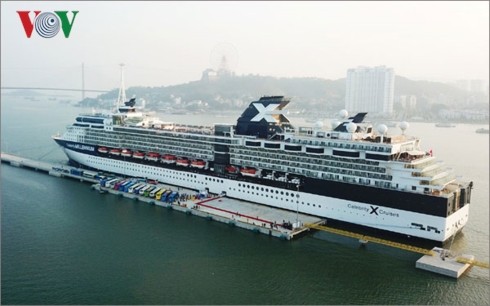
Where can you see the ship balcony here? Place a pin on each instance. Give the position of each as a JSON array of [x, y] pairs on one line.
[[431, 166], [442, 181], [420, 163], [429, 174]]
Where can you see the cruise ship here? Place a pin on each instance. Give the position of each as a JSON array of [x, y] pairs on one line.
[[353, 173]]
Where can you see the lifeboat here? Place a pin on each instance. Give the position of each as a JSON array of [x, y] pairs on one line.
[[231, 169], [152, 156], [200, 164], [103, 150], [182, 162], [169, 159], [248, 171], [138, 155], [115, 152], [126, 153]]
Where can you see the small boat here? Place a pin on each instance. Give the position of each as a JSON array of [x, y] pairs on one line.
[[182, 162], [138, 155], [152, 156], [126, 153], [169, 159], [482, 131], [103, 150], [200, 164], [231, 169], [115, 152], [445, 124], [248, 171]]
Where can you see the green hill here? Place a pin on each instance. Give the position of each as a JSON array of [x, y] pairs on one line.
[[230, 93]]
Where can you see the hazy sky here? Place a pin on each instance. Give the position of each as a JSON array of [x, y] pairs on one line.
[[165, 43]]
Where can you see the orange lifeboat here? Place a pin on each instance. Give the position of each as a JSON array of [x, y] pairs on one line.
[[169, 159], [182, 162], [200, 164], [126, 153], [103, 150], [115, 152], [231, 169], [248, 171], [152, 156], [138, 155]]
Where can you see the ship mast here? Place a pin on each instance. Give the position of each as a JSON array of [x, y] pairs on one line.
[[122, 92]]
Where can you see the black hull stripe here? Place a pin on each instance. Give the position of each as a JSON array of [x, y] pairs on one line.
[[408, 201]]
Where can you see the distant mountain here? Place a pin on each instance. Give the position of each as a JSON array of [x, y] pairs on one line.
[[233, 91], [308, 94]]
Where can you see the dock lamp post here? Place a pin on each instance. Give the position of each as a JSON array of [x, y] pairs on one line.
[[297, 207]]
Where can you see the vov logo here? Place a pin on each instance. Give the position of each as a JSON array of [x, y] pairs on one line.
[[47, 24]]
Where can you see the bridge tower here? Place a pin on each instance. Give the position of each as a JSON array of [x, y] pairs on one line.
[[83, 81], [122, 92]]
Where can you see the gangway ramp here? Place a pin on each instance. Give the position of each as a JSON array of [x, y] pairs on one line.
[[473, 262], [365, 238], [452, 266]]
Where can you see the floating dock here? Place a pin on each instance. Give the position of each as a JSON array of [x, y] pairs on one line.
[[442, 262], [255, 217]]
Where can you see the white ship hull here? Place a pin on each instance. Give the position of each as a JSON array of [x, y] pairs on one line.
[[373, 216]]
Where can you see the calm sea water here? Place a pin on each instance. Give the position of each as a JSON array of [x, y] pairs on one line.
[[62, 243]]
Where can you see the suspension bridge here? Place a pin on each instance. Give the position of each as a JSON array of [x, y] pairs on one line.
[[54, 88]]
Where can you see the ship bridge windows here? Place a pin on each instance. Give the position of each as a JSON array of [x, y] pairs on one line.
[[346, 153], [252, 143], [81, 124], [377, 156], [315, 150], [269, 145], [295, 148]]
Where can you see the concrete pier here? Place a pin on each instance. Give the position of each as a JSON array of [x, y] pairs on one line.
[[442, 262], [255, 217], [57, 170], [18, 161]]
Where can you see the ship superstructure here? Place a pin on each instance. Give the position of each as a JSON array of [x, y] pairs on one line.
[[352, 173]]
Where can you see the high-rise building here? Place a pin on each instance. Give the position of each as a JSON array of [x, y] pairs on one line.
[[408, 102], [370, 89], [475, 85]]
